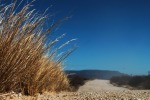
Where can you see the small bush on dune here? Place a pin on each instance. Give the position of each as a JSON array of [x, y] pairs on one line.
[[25, 65], [123, 80], [136, 82], [76, 81]]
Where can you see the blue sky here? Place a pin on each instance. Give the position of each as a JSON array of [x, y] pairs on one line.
[[112, 34]]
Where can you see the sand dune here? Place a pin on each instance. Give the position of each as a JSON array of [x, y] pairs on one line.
[[99, 85]]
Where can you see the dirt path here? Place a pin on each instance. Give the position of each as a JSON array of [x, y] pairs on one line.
[[99, 85]]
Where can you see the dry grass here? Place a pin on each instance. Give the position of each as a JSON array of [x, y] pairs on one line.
[[25, 65]]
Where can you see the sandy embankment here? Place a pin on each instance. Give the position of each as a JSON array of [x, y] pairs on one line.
[[99, 85]]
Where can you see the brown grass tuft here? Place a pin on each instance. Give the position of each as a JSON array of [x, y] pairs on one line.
[[24, 64]]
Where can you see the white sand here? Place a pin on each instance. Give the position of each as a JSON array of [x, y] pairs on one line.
[[99, 85]]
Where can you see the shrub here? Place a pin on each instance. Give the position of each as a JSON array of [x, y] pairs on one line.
[[76, 81], [146, 84], [123, 80], [137, 82], [25, 62]]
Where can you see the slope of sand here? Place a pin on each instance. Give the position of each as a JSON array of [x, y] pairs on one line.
[[99, 85], [92, 90]]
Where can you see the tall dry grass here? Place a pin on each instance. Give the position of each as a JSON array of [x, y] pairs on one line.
[[27, 64]]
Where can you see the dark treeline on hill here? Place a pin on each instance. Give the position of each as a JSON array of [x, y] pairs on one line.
[[135, 82], [94, 74]]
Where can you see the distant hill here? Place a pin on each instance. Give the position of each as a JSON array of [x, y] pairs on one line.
[[94, 74]]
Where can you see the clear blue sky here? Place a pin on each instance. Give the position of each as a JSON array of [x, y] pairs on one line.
[[112, 34]]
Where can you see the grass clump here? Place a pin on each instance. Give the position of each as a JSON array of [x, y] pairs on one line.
[[27, 64]]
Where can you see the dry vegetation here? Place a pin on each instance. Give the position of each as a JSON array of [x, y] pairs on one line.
[[27, 64], [133, 82]]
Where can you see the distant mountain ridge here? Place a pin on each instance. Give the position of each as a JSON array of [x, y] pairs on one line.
[[94, 74]]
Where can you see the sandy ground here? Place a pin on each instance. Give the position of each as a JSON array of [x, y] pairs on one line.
[[92, 90], [99, 85]]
